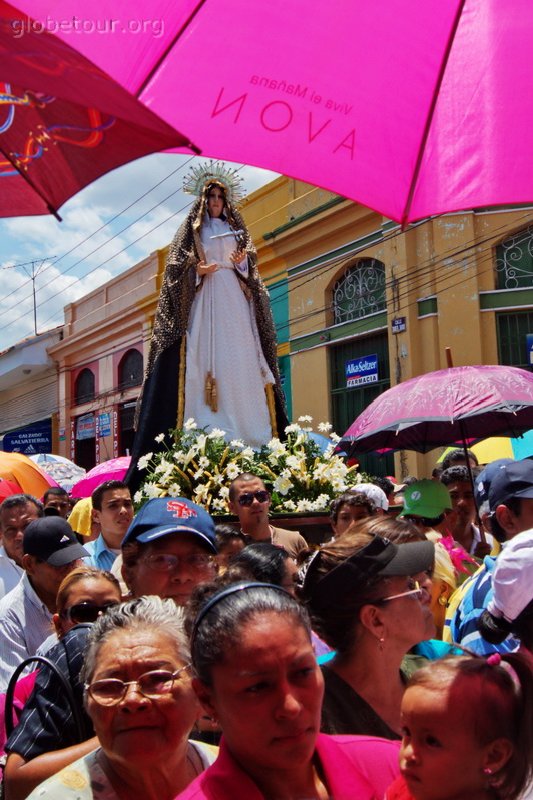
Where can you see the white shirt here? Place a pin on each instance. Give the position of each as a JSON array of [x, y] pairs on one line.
[[476, 538], [10, 573], [25, 623]]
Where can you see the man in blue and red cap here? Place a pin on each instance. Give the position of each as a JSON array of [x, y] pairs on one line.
[[169, 549]]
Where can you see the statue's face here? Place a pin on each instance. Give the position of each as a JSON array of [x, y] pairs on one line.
[[215, 201]]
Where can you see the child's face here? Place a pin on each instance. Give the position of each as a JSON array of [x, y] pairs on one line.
[[439, 756]]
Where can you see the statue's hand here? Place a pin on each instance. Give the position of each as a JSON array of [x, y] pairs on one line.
[[237, 256], [206, 269]]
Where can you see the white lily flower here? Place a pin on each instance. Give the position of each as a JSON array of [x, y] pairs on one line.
[[143, 462]]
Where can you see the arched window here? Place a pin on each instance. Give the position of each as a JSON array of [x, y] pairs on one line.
[[514, 261], [130, 369], [84, 387], [360, 291]]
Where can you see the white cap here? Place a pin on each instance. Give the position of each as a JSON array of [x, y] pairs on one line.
[[373, 492], [511, 579]]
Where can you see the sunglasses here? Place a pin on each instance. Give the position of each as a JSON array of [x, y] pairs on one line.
[[85, 612], [247, 498], [418, 591], [426, 521]]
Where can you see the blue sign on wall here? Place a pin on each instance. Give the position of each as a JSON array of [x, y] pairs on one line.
[[31, 439], [361, 370], [104, 421]]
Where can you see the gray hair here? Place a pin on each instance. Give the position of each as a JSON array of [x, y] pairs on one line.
[[145, 613], [17, 500]]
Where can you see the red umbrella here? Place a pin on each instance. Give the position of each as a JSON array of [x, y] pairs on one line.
[[8, 488], [443, 407], [114, 469], [63, 122]]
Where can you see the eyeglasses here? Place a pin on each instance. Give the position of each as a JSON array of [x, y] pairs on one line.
[[85, 612], [247, 498], [418, 591], [154, 684], [166, 562]]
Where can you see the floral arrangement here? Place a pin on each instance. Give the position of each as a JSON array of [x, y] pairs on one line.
[[200, 466]]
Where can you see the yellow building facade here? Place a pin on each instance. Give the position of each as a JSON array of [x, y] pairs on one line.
[[346, 285]]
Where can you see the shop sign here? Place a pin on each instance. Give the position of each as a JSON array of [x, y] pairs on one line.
[[104, 421], [361, 370], [85, 427], [31, 439]]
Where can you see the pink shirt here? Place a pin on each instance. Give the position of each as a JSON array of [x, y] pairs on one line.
[[356, 768]]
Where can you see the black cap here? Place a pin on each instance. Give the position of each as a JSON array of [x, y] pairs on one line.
[[51, 539], [378, 557]]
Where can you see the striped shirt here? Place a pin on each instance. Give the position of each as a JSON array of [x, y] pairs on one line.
[[462, 628], [10, 573], [25, 622], [47, 722]]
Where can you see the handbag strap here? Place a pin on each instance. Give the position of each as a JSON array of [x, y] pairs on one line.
[[10, 693]]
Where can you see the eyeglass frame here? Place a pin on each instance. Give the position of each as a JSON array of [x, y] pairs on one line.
[[207, 560], [173, 676], [67, 612], [418, 590], [245, 501]]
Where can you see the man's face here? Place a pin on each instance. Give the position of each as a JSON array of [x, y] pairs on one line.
[[252, 512], [45, 578], [60, 502], [14, 522], [512, 523], [463, 504], [171, 567], [115, 515]]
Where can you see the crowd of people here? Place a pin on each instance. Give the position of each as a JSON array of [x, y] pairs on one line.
[[158, 655]]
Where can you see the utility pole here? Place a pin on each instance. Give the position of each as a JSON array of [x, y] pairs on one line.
[[32, 275]]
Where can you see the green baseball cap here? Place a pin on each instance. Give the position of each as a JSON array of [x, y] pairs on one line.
[[426, 498]]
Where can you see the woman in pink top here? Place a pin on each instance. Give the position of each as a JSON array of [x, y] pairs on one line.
[[256, 674]]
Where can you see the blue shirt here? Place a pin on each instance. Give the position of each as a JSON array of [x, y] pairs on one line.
[[99, 554], [477, 592]]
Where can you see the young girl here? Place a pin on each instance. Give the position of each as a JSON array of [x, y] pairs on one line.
[[467, 730]]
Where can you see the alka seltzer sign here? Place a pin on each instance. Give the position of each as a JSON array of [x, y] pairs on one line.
[[361, 370]]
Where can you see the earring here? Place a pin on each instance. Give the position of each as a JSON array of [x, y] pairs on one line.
[[487, 771], [381, 643], [442, 600]]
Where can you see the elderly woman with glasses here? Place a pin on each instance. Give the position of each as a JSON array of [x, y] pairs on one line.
[[369, 599], [139, 696]]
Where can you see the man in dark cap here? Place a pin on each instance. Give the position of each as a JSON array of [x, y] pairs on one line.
[[50, 551]]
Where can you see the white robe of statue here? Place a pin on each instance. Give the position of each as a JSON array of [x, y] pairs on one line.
[[222, 338]]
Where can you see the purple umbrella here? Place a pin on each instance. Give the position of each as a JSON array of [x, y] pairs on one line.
[[443, 407]]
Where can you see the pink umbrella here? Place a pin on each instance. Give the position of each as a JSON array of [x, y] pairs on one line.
[[400, 105], [115, 469], [63, 122], [450, 405]]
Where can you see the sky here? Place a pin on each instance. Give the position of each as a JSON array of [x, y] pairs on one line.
[[107, 227]]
